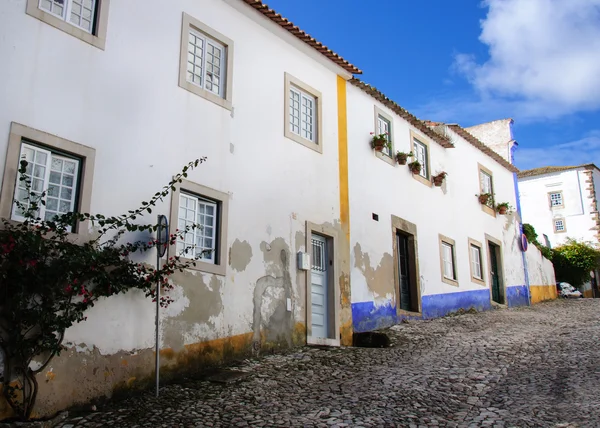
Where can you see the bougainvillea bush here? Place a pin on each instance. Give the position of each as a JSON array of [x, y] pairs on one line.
[[48, 280]]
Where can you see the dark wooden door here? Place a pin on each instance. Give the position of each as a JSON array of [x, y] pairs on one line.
[[404, 272], [496, 296]]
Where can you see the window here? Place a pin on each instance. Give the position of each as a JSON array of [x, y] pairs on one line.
[[420, 149], [60, 167], [384, 125], [476, 258], [84, 19], [206, 62], [302, 113], [560, 225], [448, 260], [200, 241], [486, 185], [556, 199], [52, 172], [193, 204]]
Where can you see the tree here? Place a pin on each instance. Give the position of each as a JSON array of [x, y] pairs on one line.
[[47, 282], [574, 260]]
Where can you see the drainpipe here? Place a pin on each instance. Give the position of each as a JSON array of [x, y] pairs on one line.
[[518, 200]]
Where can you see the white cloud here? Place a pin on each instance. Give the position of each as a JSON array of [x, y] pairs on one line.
[[544, 57], [584, 150]]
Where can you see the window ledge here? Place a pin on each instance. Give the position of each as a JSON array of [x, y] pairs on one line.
[[98, 40], [478, 281], [303, 141], [402, 312], [203, 93], [206, 267], [488, 210], [422, 179], [449, 281], [385, 158]]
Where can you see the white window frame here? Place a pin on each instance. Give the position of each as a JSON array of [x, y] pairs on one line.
[[304, 98], [304, 91], [552, 200], [422, 155], [217, 265], [46, 185], [384, 126], [448, 245], [68, 11], [476, 260], [215, 44], [223, 97], [207, 254], [486, 181], [563, 222], [95, 36], [61, 147]]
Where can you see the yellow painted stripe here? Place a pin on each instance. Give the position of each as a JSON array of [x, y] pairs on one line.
[[343, 157], [540, 293]]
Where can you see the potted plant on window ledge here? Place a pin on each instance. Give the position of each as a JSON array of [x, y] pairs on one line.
[[401, 157], [503, 207], [438, 179], [415, 167], [485, 198], [380, 141]]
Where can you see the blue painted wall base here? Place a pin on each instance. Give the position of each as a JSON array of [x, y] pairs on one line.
[[517, 296], [366, 316]]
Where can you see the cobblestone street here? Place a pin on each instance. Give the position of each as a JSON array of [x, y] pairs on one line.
[[535, 366]]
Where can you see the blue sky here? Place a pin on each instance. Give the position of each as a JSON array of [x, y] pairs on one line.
[[471, 61]]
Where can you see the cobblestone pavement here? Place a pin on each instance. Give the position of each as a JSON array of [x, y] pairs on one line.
[[524, 367]]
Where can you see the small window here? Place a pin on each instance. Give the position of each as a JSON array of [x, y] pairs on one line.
[[486, 183], [194, 204], [201, 241], [422, 155], [52, 172], [448, 260], [206, 62], [560, 225], [476, 258], [385, 127], [61, 168], [302, 114], [84, 19], [556, 199]]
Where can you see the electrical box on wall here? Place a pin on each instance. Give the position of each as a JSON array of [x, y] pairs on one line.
[[303, 261]]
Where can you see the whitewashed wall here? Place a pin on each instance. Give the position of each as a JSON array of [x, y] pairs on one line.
[[452, 210], [125, 102]]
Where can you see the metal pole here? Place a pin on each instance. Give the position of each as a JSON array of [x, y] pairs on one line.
[[157, 362]]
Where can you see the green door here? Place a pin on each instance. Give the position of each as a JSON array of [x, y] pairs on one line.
[[496, 296], [404, 272]]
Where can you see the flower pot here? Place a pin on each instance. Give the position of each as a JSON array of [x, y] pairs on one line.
[[483, 199], [415, 169], [438, 182], [378, 145], [502, 210], [401, 160]]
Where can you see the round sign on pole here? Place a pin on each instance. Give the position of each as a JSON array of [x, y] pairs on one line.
[[162, 235]]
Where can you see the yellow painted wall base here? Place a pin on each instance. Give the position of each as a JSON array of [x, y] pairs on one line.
[[588, 293], [540, 293]]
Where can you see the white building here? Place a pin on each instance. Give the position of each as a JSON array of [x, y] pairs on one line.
[[561, 202], [418, 250], [124, 103]]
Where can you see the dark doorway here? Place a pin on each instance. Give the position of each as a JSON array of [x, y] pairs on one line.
[[495, 273], [409, 298]]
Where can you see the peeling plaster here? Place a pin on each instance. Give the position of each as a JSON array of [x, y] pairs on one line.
[[240, 254], [380, 280], [270, 294]]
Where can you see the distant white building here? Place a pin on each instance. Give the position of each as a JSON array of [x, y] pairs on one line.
[[561, 202]]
